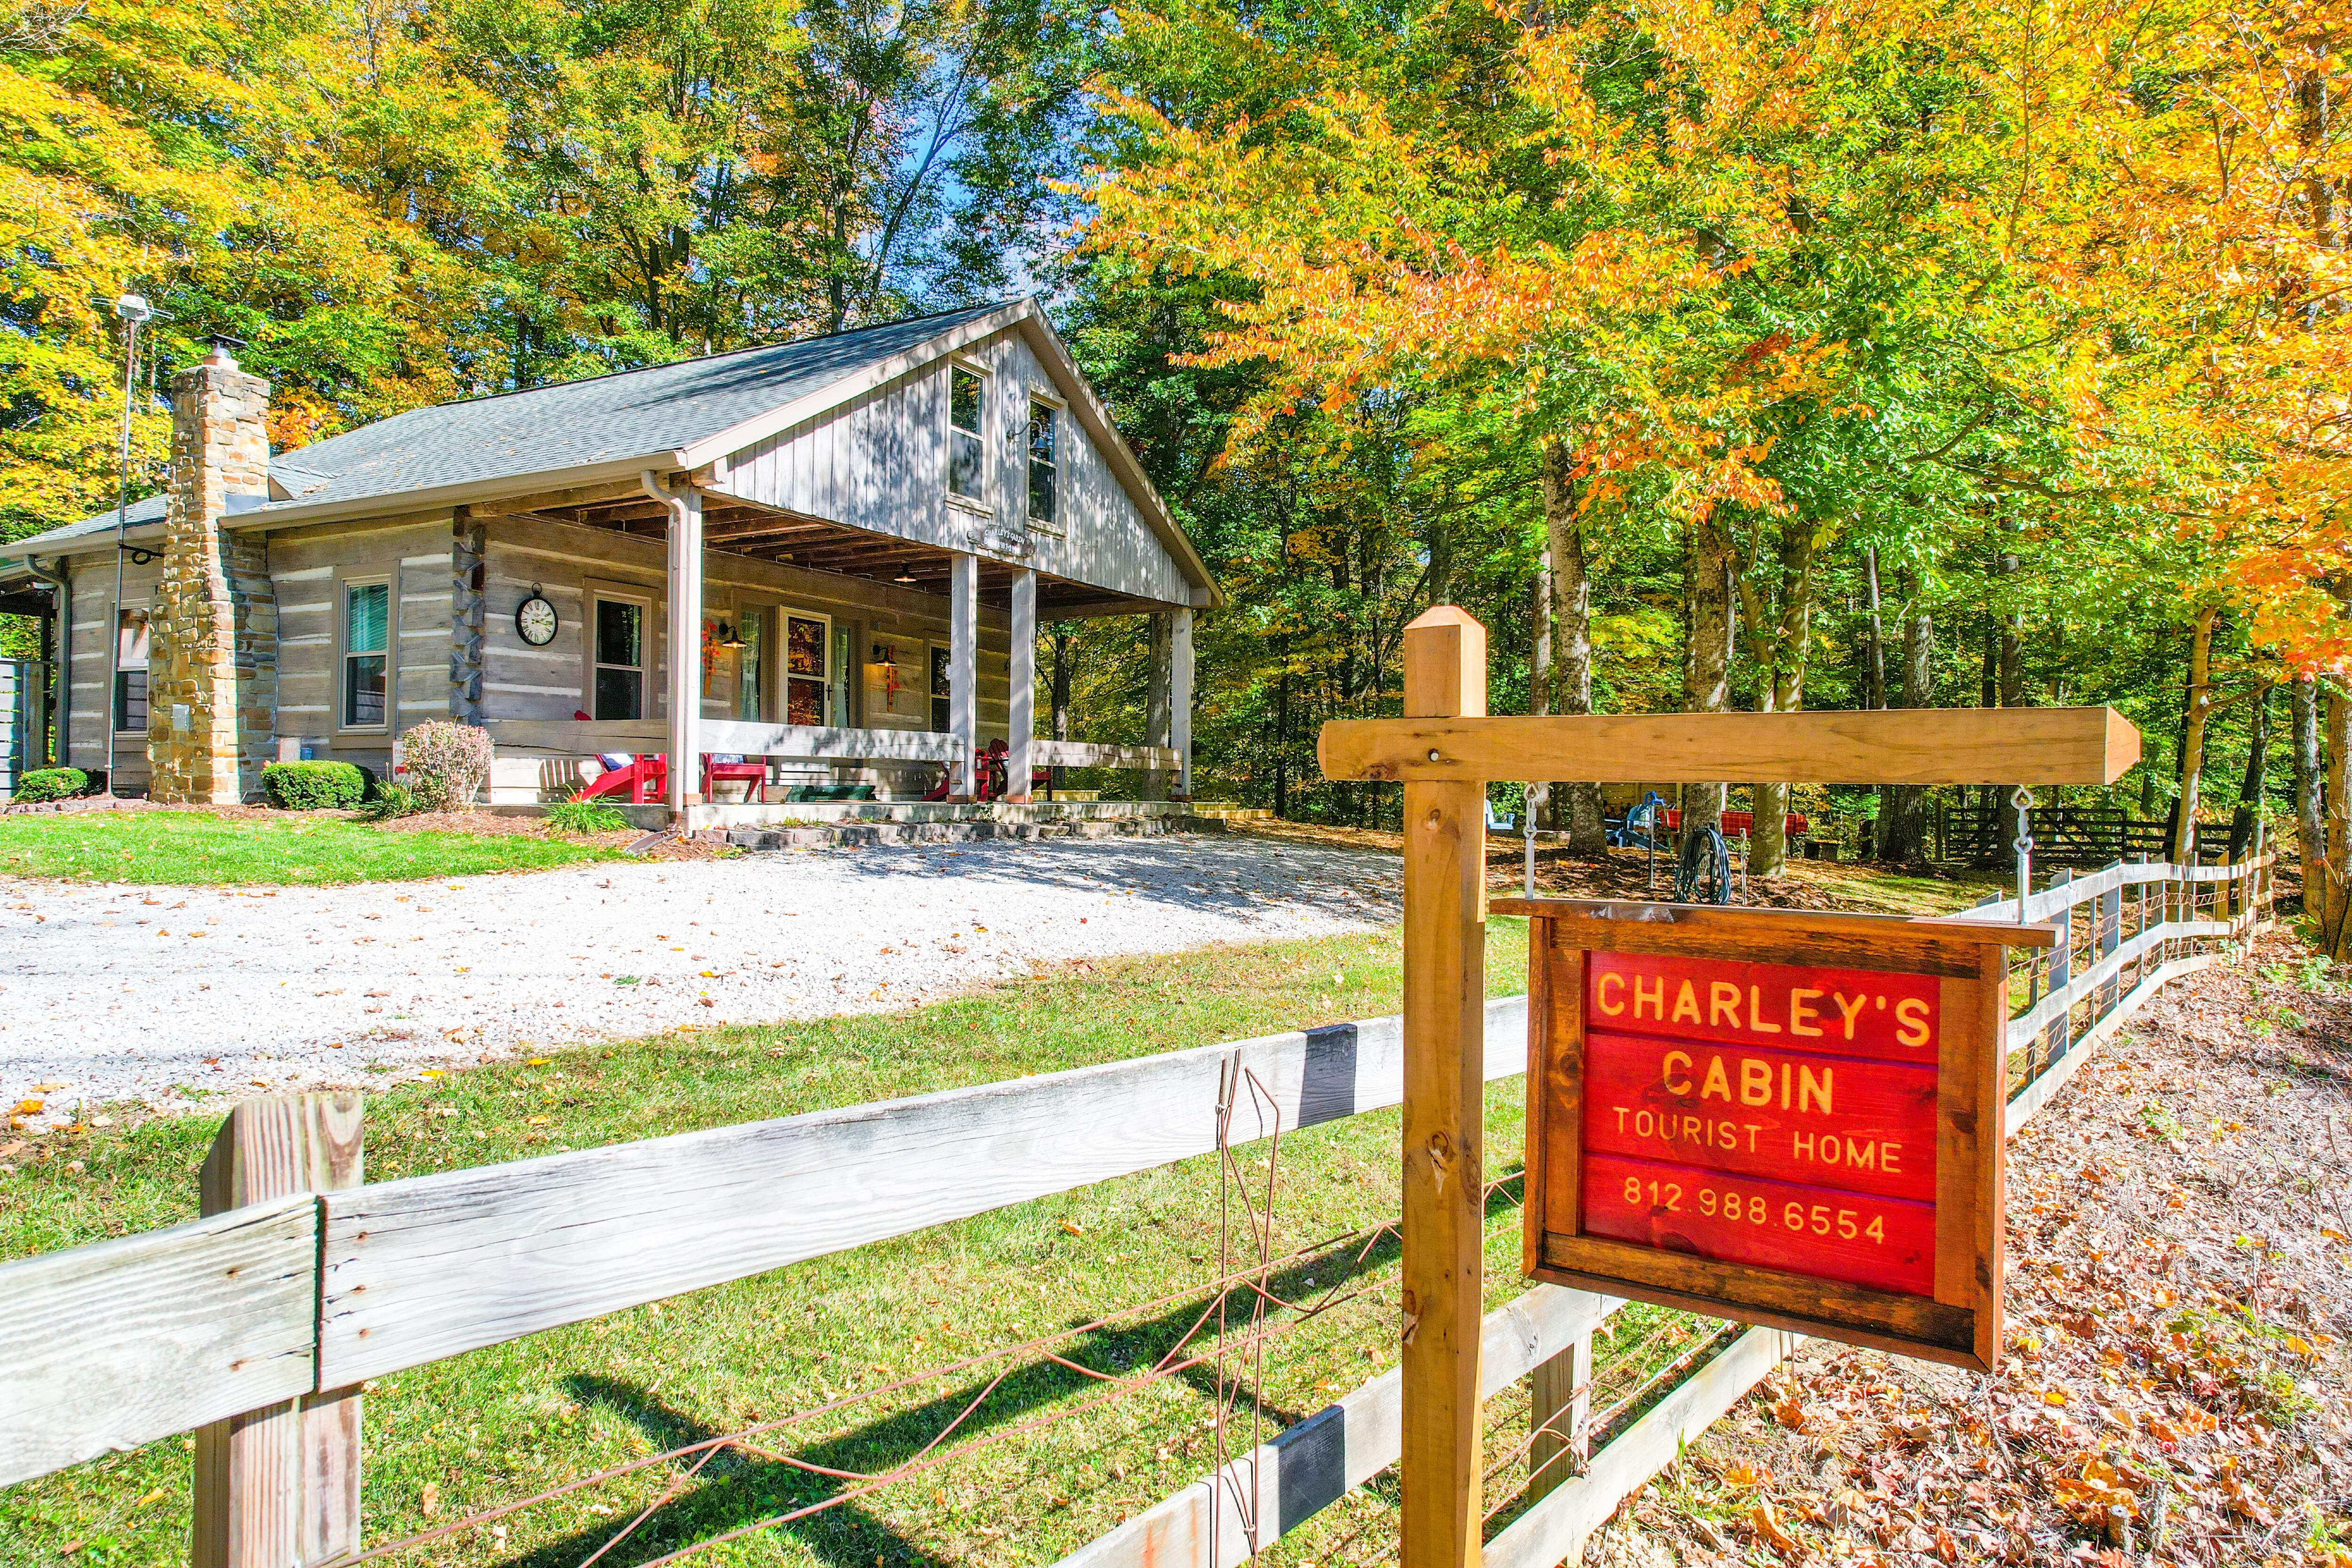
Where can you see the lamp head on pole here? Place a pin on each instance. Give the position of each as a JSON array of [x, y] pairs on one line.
[[134, 308]]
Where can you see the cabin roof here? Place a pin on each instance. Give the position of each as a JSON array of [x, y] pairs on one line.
[[668, 415]]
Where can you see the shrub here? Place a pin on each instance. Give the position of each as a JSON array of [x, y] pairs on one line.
[[389, 800], [51, 784], [313, 785], [447, 764], [584, 816]]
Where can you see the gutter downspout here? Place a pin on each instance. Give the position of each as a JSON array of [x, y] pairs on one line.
[[61, 693], [685, 509]]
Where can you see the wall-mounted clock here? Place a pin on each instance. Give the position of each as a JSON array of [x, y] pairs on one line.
[[535, 620]]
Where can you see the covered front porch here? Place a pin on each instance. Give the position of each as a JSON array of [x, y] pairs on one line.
[[783, 710]]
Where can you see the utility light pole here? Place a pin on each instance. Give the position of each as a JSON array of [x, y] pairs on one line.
[[132, 309]]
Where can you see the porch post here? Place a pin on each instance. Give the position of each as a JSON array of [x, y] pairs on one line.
[[1159, 709], [1021, 730], [963, 670], [685, 658], [1180, 701]]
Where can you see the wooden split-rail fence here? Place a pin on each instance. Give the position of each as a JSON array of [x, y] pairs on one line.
[[256, 1325]]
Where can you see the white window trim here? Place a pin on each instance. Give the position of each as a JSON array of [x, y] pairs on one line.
[[950, 430], [340, 607], [780, 703], [648, 669], [1035, 525], [114, 708]]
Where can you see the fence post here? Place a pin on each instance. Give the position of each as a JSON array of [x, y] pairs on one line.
[[279, 1487], [1559, 1414], [2111, 936], [1445, 1089], [2059, 1037]]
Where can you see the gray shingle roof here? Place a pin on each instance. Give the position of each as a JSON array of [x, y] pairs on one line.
[[631, 414]]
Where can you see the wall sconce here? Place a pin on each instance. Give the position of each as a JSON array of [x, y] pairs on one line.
[[726, 637]]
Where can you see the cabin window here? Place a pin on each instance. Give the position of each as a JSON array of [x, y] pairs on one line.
[[367, 639], [131, 672], [941, 707], [967, 453], [620, 649], [1041, 463], [806, 640]]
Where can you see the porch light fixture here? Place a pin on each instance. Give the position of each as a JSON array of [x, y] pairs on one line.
[[727, 637], [904, 576]]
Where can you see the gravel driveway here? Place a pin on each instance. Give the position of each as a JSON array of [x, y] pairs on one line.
[[116, 994]]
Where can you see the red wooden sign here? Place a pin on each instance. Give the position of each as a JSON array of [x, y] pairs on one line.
[[1781, 1118]]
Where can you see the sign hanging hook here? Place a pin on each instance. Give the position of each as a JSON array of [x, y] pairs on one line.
[[2023, 801]]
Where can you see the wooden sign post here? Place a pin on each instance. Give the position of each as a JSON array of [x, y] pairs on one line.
[[1444, 751]]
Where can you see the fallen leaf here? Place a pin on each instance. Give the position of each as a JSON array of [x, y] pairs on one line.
[[1073, 1229], [1767, 1524]]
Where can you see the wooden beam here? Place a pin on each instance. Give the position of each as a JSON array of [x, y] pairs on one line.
[[105, 1347], [1444, 1156], [430, 1266], [540, 500], [279, 1484], [1899, 745]]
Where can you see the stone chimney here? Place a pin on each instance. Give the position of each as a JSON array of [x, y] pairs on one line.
[[213, 683]]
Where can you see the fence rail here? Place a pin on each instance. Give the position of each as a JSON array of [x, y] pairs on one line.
[[107, 1347], [1174, 1533]]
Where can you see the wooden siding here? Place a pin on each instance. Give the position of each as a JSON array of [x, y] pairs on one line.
[[309, 566], [91, 702], [879, 463]]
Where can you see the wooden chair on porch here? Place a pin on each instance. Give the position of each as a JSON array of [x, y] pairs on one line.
[[645, 776]]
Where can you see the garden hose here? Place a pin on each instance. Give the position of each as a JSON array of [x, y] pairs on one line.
[[1703, 871]]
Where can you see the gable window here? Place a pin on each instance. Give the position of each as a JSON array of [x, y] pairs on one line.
[[1041, 463], [619, 637], [131, 672], [967, 454], [367, 628]]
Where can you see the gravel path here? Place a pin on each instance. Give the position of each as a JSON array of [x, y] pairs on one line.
[[161, 995]]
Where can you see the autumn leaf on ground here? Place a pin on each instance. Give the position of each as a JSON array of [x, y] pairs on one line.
[[1767, 1525]]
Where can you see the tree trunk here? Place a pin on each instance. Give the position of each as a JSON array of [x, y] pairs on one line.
[[2334, 915], [1706, 687], [1783, 690], [2252, 787], [2310, 844], [2010, 669], [1539, 803], [2192, 737], [1903, 823], [1571, 641], [1877, 631]]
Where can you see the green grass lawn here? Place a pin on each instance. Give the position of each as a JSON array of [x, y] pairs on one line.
[[500, 1423], [197, 848]]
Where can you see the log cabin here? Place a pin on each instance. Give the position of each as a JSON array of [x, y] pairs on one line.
[[862, 532]]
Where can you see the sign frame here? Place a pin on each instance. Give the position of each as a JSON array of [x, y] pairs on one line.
[[1960, 1324]]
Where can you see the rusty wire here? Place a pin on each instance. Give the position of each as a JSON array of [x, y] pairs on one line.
[[1233, 1079], [1256, 1280]]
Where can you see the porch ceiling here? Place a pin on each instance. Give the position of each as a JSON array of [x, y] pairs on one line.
[[745, 529]]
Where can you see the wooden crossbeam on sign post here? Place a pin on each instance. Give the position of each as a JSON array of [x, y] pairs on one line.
[[1444, 751]]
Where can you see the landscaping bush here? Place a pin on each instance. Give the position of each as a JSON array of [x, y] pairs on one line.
[[313, 785], [447, 764], [51, 784], [389, 800], [584, 816]]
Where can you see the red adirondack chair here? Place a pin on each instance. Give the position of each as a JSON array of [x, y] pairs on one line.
[[646, 778]]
